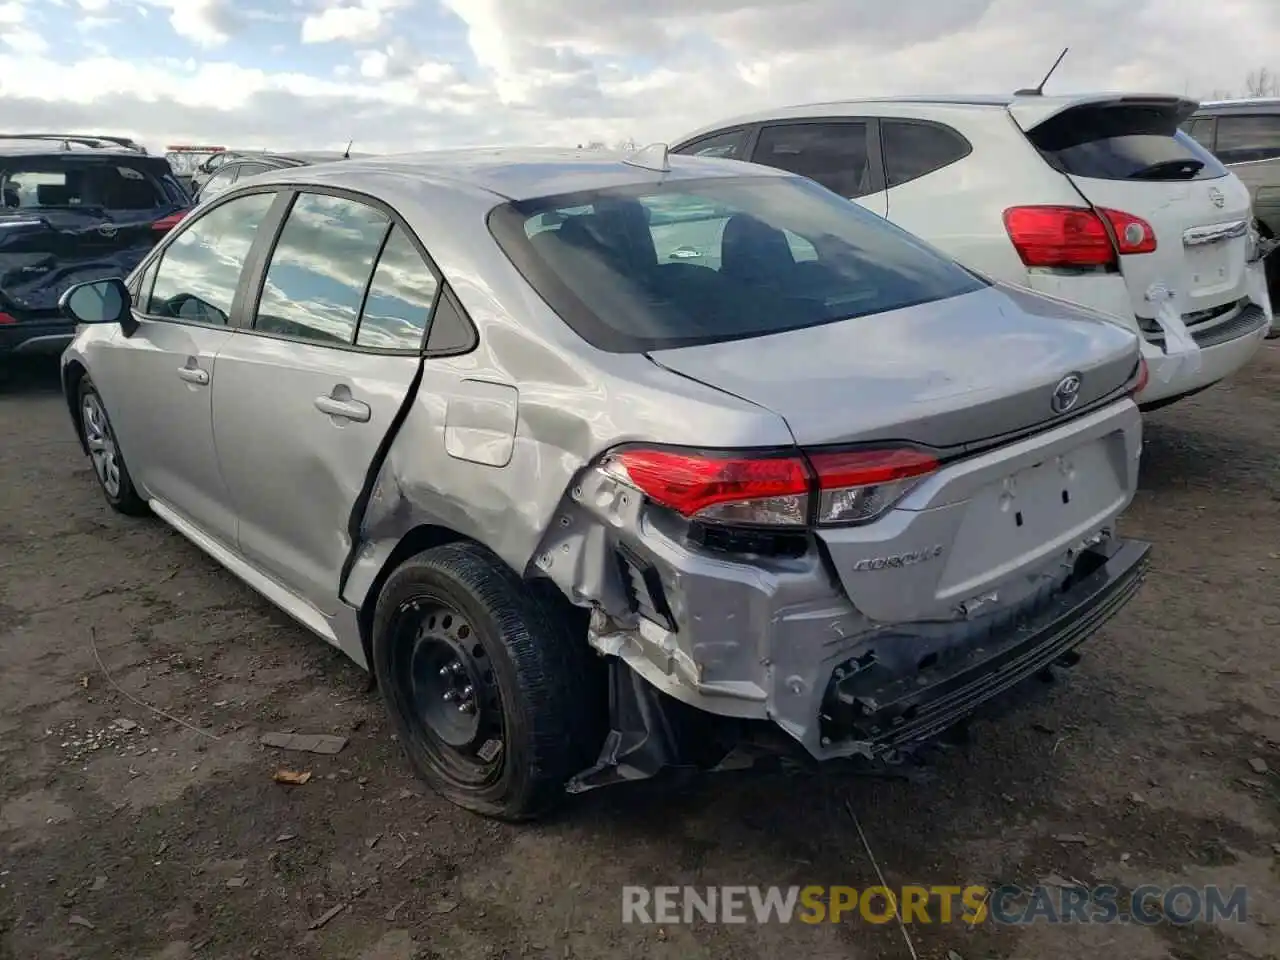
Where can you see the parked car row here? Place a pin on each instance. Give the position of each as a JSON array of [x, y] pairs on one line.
[[605, 464], [241, 167], [74, 208], [1245, 135]]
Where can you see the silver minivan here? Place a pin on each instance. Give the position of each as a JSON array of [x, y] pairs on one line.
[[1245, 136]]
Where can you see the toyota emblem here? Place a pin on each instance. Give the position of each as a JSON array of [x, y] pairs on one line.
[[1066, 394], [108, 230], [1217, 197]]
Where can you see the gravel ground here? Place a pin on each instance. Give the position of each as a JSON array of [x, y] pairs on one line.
[[127, 835]]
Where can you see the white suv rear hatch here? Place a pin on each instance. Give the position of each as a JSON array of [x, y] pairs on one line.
[[1126, 154]]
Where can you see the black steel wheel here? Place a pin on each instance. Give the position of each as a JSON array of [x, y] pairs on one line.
[[443, 671], [491, 687]]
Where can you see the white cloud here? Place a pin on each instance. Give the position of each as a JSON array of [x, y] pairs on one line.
[[206, 23], [94, 6], [356, 22], [573, 71], [17, 33]]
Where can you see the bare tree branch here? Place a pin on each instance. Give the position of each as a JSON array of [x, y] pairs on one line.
[[1262, 82]]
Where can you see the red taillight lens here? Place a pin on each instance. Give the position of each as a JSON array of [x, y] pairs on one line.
[[738, 488], [7, 318], [165, 224], [859, 485], [1047, 236], [1133, 234], [1059, 237], [1144, 376], [732, 488]]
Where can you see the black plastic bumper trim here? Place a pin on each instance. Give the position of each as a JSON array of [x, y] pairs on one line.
[[957, 690]]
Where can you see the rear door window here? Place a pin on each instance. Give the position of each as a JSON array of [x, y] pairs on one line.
[[401, 297], [1249, 138], [913, 149], [835, 154], [220, 181], [320, 269], [200, 269], [1201, 131], [250, 170], [729, 145], [1123, 142]]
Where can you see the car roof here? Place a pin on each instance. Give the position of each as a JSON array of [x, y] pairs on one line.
[[512, 173], [1035, 105], [1240, 105], [299, 157], [52, 147]]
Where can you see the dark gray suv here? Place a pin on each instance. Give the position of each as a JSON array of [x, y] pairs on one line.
[[1245, 135]]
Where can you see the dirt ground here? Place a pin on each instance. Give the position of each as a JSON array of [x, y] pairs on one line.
[[159, 841]]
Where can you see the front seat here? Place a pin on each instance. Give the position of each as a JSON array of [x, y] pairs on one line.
[[753, 252]]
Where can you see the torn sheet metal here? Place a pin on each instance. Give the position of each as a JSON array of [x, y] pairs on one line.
[[644, 738], [1181, 350]]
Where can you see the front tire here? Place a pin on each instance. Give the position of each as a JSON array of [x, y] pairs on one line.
[[490, 687], [104, 453]]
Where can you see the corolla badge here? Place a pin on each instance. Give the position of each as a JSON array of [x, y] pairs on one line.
[[1066, 394], [1217, 198]]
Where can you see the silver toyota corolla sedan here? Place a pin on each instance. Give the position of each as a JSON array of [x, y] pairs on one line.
[[602, 464]]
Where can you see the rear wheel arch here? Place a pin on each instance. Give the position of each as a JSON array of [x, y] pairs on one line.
[[415, 541], [426, 537]]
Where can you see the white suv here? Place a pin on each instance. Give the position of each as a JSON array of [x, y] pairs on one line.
[[1097, 199]]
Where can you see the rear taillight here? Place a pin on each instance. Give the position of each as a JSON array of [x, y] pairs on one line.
[[165, 224], [774, 491], [6, 318], [1048, 236], [859, 485], [729, 488], [1133, 234], [1144, 376]]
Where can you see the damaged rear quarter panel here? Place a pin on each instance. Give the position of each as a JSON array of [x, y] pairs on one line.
[[454, 463]]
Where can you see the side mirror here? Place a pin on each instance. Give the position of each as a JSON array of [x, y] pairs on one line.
[[98, 301]]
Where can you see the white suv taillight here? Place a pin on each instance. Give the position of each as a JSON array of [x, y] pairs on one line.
[[762, 490], [1050, 236]]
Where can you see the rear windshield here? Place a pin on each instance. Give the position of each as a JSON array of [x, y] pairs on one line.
[[702, 261], [1124, 143], [53, 182]]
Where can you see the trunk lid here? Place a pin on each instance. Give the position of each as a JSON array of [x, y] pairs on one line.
[[948, 373], [1127, 153]]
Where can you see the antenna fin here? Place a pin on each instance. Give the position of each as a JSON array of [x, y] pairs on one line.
[[652, 157]]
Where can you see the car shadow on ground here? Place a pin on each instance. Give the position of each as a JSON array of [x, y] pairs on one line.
[[29, 375]]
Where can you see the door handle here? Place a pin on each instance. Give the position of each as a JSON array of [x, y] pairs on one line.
[[347, 409], [194, 375]]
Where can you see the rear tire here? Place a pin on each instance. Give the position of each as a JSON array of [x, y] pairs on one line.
[[104, 453], [490, 687]]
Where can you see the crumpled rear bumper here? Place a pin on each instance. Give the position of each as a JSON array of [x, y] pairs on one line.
[[880, 707], [896, 690]]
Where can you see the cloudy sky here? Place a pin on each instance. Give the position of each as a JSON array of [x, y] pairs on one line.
[[416, 74]]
